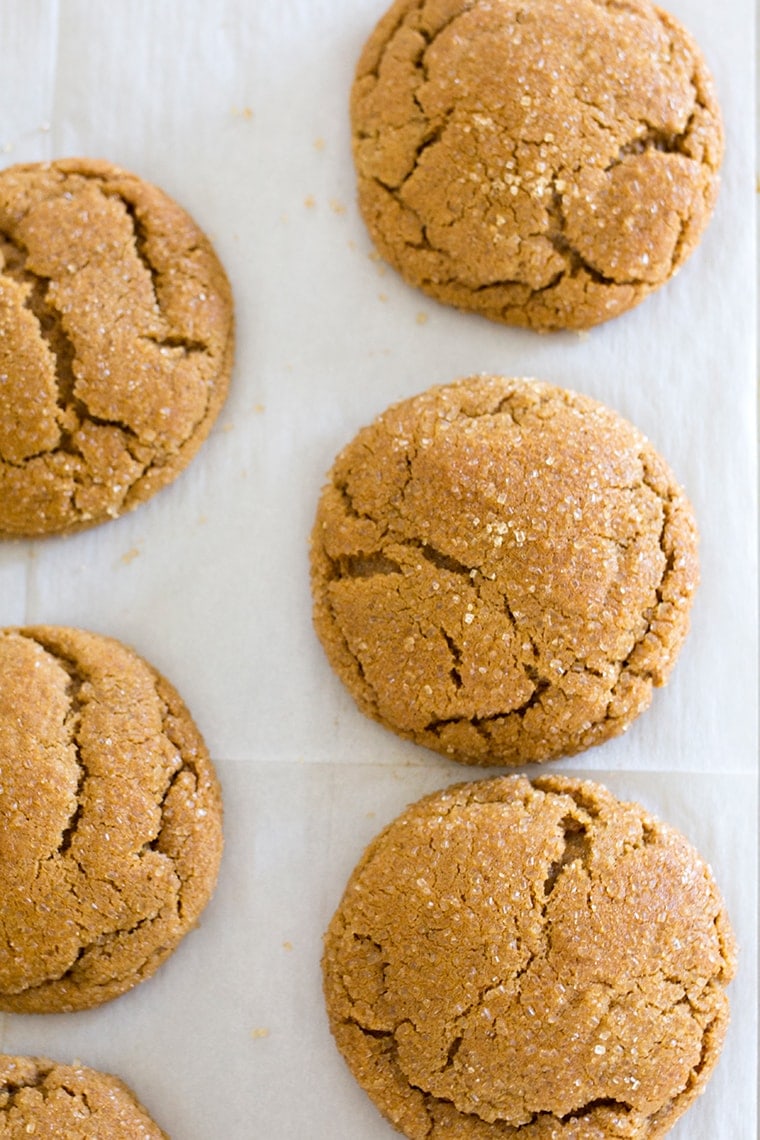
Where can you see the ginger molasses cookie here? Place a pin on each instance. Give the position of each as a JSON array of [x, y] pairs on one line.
[[546, 164], [41, 1098], [502, 570], [529, 959], [110, 820], [116, 342]]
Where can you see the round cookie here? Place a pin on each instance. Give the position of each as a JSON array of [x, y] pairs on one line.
[[116, 343], [110, 820], [42, 1098], [502, 570], [529, 959], [546, 164]]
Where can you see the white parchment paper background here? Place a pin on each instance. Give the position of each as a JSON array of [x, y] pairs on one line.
[[239, 110]]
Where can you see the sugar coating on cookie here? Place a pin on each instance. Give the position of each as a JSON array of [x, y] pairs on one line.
[[533, 959], [502, 570], [110, 820], [116, 343], [547, 164], [41, 1098]]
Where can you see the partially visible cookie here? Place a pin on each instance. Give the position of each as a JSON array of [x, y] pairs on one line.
[[547, 164], [116, 343], [110, 820], [41, 1098], [502, 570], [529, 959]]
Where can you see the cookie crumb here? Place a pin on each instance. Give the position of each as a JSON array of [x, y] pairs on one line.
[[259, 1033]]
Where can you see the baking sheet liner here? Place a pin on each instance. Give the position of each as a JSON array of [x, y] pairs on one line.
[[239, 111]]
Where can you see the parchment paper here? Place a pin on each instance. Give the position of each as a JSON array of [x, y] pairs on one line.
[[239, 110]]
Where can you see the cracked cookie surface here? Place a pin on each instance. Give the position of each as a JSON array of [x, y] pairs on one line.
[[502, 570], [529, 958], [110, 820], [116, 343], [546, 163], [49, 1100]]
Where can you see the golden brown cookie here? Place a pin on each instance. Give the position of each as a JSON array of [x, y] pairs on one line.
[[534, 960], [116, 342], [110, 820], [502, 570], [49, 1101], [545, 163]]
